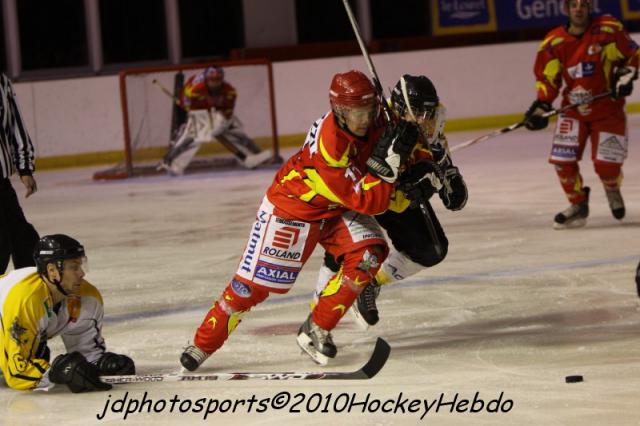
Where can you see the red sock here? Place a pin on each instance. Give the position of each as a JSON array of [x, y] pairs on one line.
[[226, 313], [571, 181], [358, 268]]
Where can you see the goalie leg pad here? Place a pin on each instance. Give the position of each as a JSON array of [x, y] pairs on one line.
[[181, 161], [254, 160], [239, 138]]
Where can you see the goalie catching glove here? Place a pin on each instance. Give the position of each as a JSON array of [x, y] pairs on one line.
[[392, 150], [623, 82]]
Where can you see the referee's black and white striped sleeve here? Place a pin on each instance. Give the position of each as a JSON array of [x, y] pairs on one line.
[[16, 148]]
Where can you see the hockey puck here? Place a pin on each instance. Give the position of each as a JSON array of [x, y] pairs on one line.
[[573, 379]]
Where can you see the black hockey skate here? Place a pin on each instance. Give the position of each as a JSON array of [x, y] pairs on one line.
[[193, 357], [316, 341], [575, 216], [616, 204], [365, 309]]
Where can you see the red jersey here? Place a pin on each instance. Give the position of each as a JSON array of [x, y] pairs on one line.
[[329, 176], [586, 64], [196, 95]]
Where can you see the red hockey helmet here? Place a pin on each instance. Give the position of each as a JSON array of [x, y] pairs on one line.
[[351, 89]]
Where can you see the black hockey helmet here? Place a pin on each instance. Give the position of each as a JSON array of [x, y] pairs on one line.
[[56, 249], [421, 94]]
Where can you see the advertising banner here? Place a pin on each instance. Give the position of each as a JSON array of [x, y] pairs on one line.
[[469, 16]]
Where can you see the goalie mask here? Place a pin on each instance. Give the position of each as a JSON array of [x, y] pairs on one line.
[[353, 101], [414, 98], [56, 249], [213, 77], [214, 73]]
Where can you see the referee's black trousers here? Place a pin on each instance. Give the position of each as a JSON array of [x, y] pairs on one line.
[[17, 236]]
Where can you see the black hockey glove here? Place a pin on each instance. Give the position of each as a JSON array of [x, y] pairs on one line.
[[440, 153], [392, 150], [77, 373], [420, 181], [623, 82], [534, 120], [111, 364], [456, 198]]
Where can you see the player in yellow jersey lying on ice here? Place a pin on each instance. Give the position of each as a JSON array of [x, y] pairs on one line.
[[38, 303]]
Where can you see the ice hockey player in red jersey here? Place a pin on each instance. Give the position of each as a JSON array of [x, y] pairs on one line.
[[591, 55], [324, 194], [209, 101], [417, 237]]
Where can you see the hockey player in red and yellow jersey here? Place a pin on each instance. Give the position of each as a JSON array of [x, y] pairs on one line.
[[209, 102], [325, 194], [207, 90], [37, 304], [418, 239], [591, 55]]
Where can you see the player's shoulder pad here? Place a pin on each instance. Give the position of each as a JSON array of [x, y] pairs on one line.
[[334, 144], [553, 38], [29, 283], [89, 290], [608, 24]]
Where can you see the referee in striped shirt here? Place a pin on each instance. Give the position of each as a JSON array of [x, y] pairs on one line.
[[17, 236]]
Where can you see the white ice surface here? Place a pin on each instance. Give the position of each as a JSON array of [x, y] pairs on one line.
[[514, 308]]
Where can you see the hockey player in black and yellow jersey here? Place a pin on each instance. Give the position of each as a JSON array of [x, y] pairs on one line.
[[52, 299]]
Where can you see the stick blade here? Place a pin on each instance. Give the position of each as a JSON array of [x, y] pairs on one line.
[[378, 359]]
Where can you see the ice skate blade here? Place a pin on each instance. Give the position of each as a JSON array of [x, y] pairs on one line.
[[305, 344], [362, 323], [578, 223]]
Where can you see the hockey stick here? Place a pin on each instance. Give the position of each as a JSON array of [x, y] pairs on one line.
[[166, 91], [375, 363], [367, 59], [387, 111], [224, 141], [638, 279], [515, 126]]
